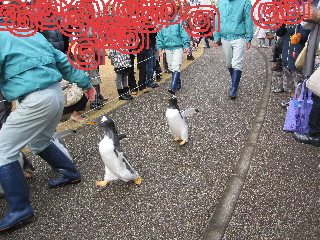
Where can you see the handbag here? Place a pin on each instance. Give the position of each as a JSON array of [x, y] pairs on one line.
[[313, 83], [301, 58], [297, 117], [71, 94]]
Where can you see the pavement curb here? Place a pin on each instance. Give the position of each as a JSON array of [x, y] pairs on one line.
[[222, 214]]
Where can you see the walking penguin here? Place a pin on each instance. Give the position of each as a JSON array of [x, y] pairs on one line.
[[115, 160], [178, 126]]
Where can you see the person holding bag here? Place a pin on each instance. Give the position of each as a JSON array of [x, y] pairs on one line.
[[312, 62]]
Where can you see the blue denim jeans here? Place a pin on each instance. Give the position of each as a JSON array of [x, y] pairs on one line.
[[150, 64]]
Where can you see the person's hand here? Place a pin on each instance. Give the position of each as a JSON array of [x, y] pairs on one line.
[[313, 13], [248, 45], [90, 93], [187, 50], [215, 44], [160, 53]]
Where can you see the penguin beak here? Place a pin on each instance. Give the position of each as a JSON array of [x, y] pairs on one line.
[[92, 122], [167, 98]]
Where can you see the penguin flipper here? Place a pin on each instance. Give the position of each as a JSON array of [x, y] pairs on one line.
[[189, 111], [63, 133], [121, 136]]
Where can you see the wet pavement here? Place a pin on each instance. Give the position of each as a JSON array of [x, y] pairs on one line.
[[239, 177]]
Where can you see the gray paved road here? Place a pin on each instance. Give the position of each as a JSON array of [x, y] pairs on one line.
[[182, 186]]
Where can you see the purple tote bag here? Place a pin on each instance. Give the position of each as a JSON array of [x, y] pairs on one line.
[[297, 118]]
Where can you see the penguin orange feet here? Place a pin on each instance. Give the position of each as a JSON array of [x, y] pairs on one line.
[[28, 173], [102, 183], [182, 143], [177, 139], [138, 180]]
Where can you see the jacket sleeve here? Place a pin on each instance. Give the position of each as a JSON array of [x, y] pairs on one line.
[[69, 72], [159, 41], [248, 22], [281, 31], [184, 36], [304, 34], [216, 35]]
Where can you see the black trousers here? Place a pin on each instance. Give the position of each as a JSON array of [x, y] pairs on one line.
[[142, 66], [79, 106], [314, 119], [5, 109], [131, 78]]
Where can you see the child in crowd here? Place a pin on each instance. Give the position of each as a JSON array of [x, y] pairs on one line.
[[121, 63]]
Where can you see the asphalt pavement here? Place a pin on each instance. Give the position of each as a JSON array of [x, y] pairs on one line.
[[239, 177]]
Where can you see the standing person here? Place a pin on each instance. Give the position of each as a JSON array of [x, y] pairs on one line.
[[261, 35], [30, 73], [312, 62], [174, 40], [291, 76], [236, 32], [121, 63]]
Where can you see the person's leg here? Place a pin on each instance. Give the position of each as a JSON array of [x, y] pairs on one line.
[[150, 67], [131, 78], [206, 39], [126, 90], [236, 62], [142, 70], [227, 50], [176, 63]]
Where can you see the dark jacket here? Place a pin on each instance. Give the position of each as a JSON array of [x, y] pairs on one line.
[[286, 31], [55, 38]]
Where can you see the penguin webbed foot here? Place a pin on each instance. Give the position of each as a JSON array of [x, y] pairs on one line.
[[138, 180], [183, 143], [102, 183], [177, 139]]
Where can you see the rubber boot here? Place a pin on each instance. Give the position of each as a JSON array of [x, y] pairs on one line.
[[96, 105], [61, 164], [126, 91], [175, 81], [235, 83], [123, 95], [179, 81], [17, 194], [231, 73]]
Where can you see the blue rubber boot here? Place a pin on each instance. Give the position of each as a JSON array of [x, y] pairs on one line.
[[62, 164], [231, 74], [175, 81], [235, 83], [179, 81], [17, 194]]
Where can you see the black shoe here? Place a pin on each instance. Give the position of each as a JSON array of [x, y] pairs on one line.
[[284, 104], [152, 85], [95, 106], [190, 57], [306, 138], [278, 90]]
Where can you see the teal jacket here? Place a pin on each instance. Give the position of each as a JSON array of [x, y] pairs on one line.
[[28, 64], [173, 37], [235, 20]]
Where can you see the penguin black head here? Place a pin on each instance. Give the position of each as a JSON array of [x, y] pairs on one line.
[[173, 102], [105, 122]]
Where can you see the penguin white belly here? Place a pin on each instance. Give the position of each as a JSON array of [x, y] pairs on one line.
[[115, 167], [178, 127]]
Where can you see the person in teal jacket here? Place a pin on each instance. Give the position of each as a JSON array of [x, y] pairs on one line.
[[236, 32], [30, 72], [173, 39]]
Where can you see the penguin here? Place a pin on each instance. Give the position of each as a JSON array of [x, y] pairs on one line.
[[178, 125], [117, 166]]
